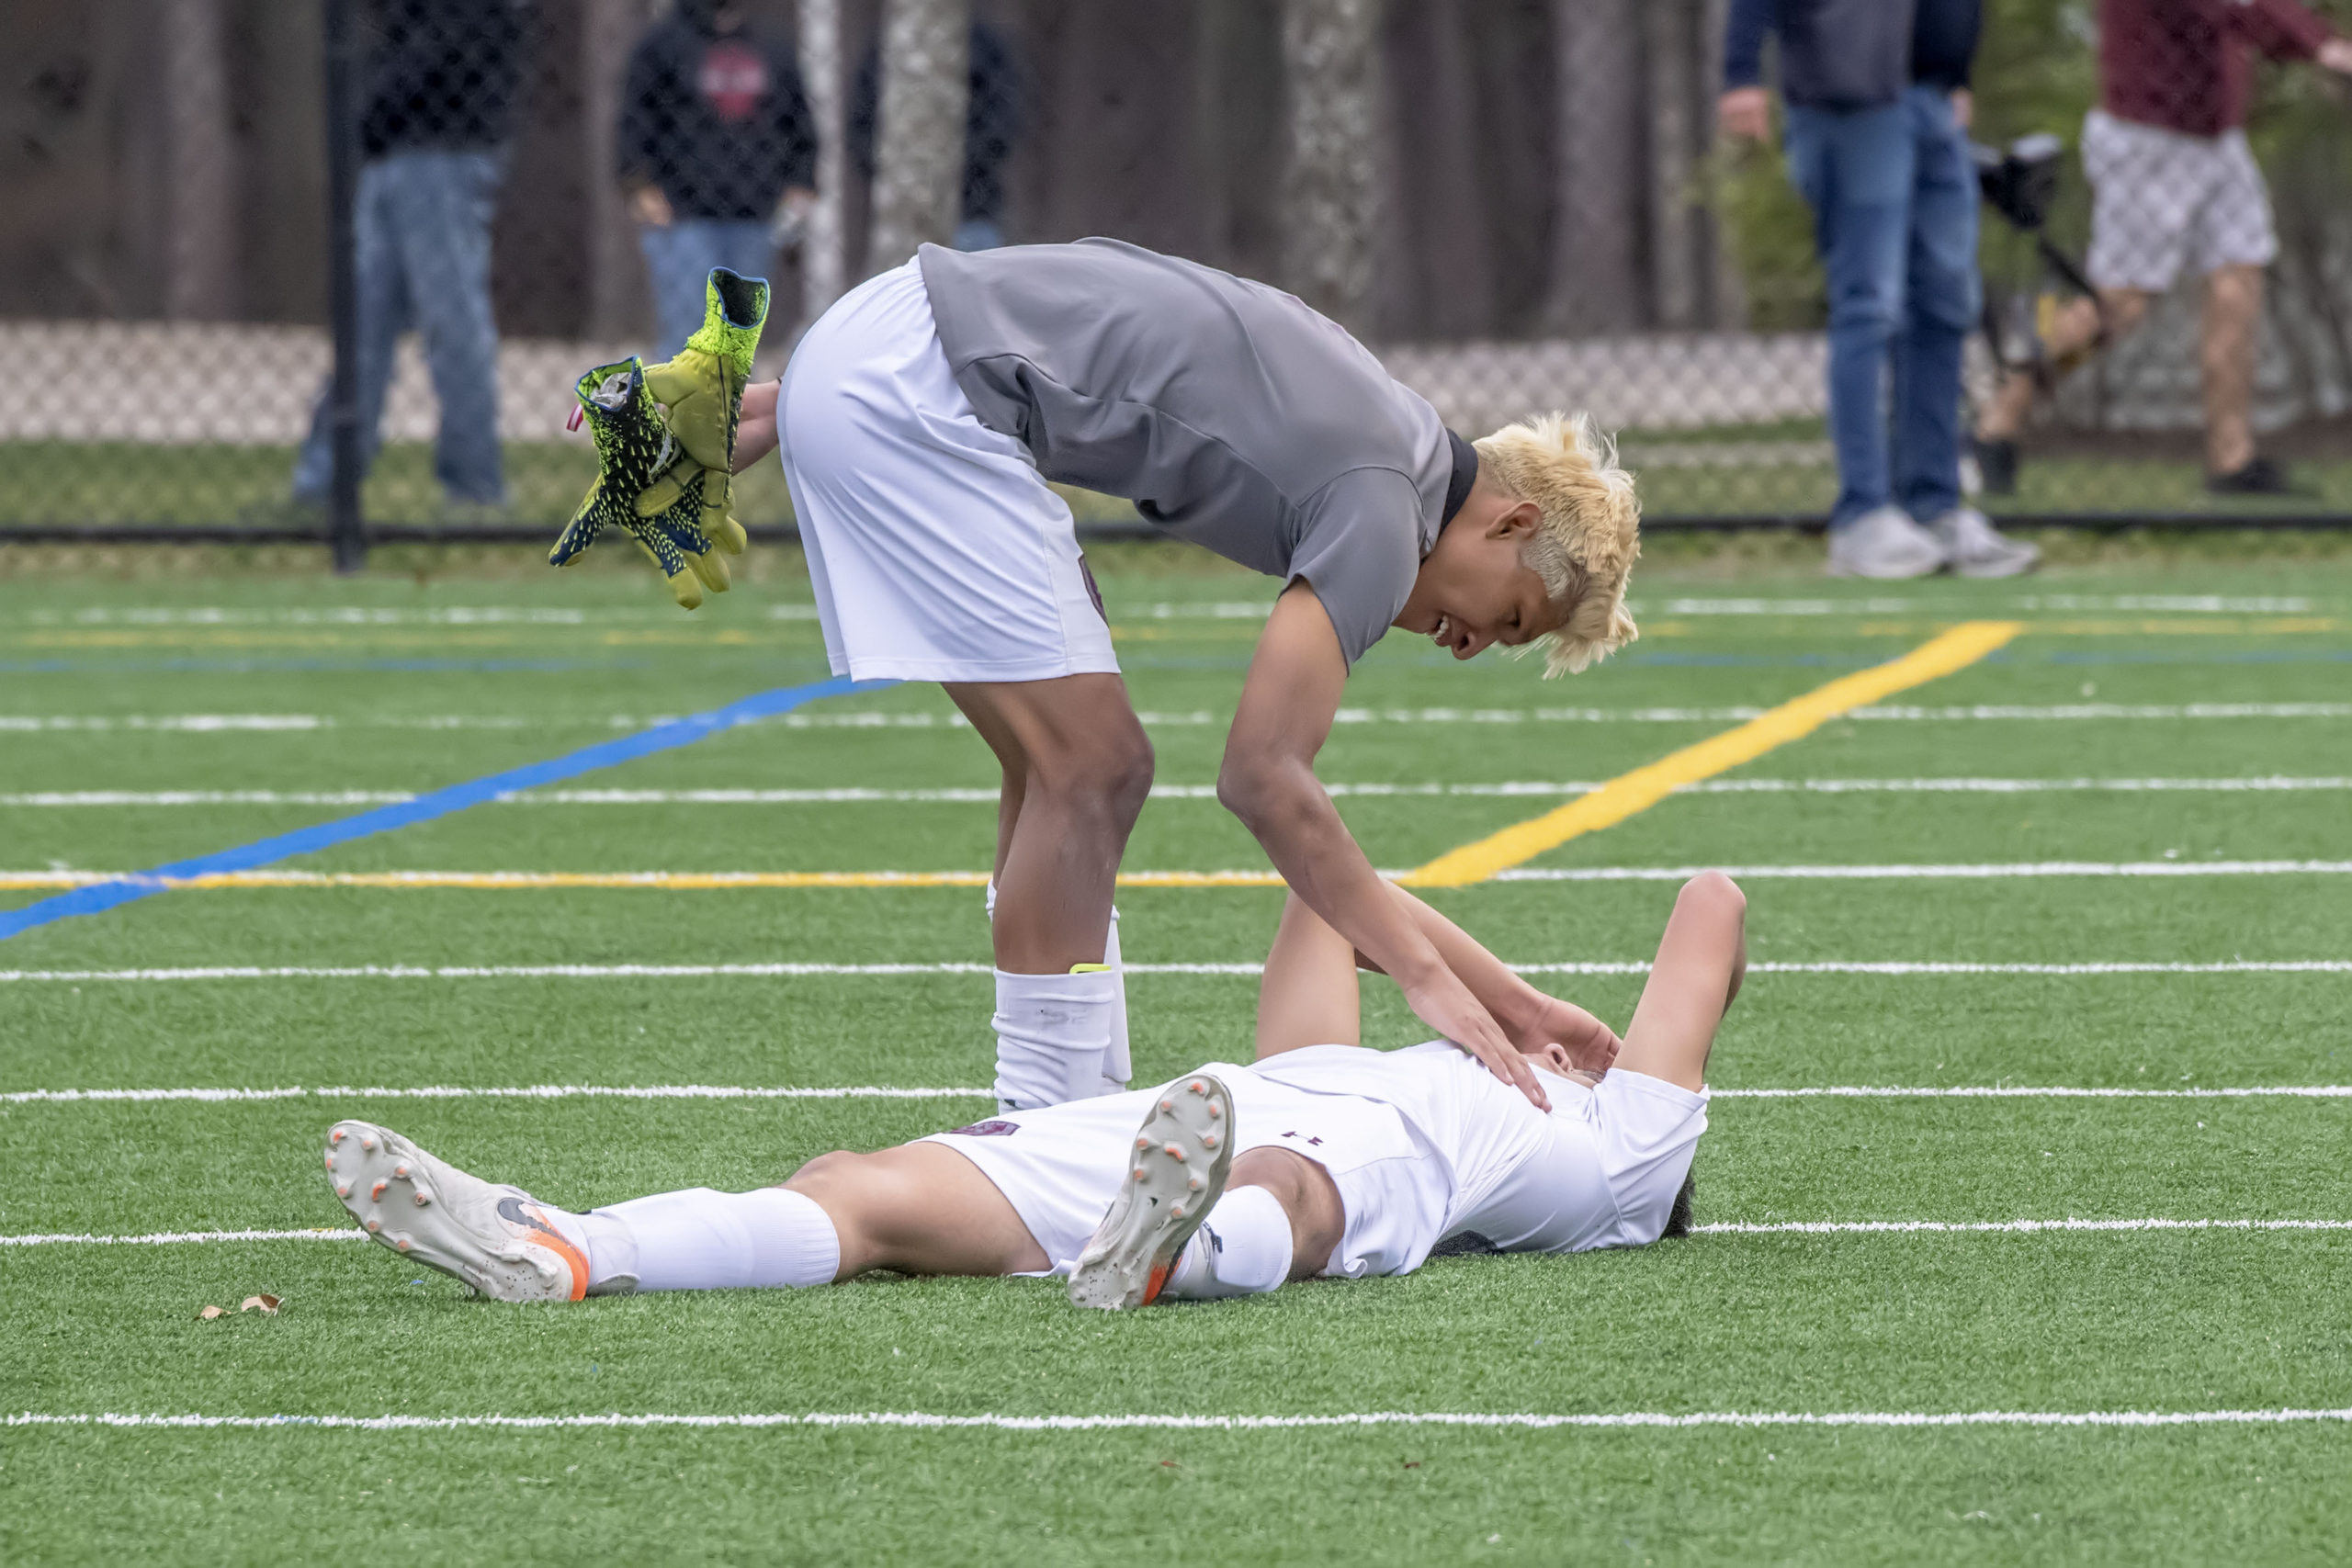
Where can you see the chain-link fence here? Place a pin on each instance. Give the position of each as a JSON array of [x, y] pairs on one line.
[[249, 246]]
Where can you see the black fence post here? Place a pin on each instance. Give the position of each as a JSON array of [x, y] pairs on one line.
[[346, 529]]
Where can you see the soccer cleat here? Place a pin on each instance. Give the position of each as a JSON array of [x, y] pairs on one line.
[[1180, 1156], [494, 1238]]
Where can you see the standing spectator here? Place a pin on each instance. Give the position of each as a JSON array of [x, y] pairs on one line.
[[2174, 185], [991, 125], [443, 78], [718, 150], [1878, 104]]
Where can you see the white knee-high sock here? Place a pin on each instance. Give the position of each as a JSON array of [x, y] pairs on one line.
[[1051, 1030], [702, 1240], [1242, 1249], [1116, 1067]]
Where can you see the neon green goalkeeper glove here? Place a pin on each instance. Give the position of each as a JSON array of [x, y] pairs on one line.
[[701, 392], [632, 449]]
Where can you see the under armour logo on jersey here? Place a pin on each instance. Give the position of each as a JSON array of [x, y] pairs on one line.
[[1295, 1134], [991, 1128]]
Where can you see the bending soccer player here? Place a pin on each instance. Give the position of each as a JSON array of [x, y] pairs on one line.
[[1320, 1157], [920, 421]]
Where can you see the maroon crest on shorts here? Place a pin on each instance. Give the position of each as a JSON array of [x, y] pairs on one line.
[[988, 1129]]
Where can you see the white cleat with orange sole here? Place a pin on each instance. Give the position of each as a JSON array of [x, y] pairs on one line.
[[1181, 1156], [494, 1238]]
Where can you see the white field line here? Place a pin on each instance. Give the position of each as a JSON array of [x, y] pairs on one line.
[[1179, 609], [1788, 1227], [730, 1091], [1998, 869], [869, 719], [453, 1091], [787, 971], [713, 880], [924, 1421], [987, 797]]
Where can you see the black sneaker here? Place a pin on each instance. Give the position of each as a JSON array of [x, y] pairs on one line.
[[2260, 477], [1996, 465]]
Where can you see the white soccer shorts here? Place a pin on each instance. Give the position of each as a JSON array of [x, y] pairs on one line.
[[936, 551]]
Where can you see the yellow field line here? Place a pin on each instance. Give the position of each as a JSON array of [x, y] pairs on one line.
[[1644, 787]]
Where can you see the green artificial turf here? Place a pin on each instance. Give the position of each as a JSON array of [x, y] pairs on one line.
[[407, 683]]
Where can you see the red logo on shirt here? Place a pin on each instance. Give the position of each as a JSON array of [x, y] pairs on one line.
[[734, 78]]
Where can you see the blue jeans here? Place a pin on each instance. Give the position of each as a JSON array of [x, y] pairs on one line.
[[422, 222], [678, 258], [1894, 200]]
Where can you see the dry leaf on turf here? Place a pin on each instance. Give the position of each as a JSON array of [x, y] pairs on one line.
[[208, 1313], [258, 1304]]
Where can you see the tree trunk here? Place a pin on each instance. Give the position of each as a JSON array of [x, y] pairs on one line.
[[918, 154], [1437, 271], [824, 258], [1597, 215], [1331, 195], [200, 161], [1673, 167], [615, 291], [1726, 303]]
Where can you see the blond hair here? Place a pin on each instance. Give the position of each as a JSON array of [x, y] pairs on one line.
[[1589, 535]]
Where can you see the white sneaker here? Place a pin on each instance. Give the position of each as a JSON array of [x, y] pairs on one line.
[[1182, 1153], [1884, 542], [1978, 549], [496, 1239]]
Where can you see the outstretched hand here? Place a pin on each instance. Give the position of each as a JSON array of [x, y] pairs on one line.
[[1446, 1005], [1592, 1045]]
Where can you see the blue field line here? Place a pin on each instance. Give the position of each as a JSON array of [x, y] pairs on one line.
[[104, 896]]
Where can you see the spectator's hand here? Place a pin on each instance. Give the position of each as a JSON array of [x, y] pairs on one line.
[[1963, 108], [2336, 55], [649, 206], [1746, 113]]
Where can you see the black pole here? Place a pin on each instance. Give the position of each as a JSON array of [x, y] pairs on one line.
[[346, 529]]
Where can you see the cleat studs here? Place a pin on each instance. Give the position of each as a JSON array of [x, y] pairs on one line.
[[1167, 1105], [1176, 1211], [1199, 1087], [1144, 1142], [335, 1135], [1216, 1111], [330, 1161], [1194, 1184], [401, 1245], [367, 1142], [400, 1170], [376, 1193], [342, 1189], [374, 1225], [1173, 1152], [422, 1198], [1138, 1173], [1208, 1140]]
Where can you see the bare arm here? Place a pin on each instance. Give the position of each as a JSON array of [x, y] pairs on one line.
[[1268, 781], [1532, 1018], [755, 429]]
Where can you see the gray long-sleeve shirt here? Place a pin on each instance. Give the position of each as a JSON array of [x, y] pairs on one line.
[[1229, 412]]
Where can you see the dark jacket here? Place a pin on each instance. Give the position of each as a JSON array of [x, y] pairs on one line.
[[991, 123], [720, 124], [1850, 54], [444, 74]]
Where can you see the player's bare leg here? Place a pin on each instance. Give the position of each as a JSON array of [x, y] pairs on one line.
[[919, 1208], [1077, 770], [1700, 961]]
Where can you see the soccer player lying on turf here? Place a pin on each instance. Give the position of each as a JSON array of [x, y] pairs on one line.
[[920, 421], [1319, 1157]]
